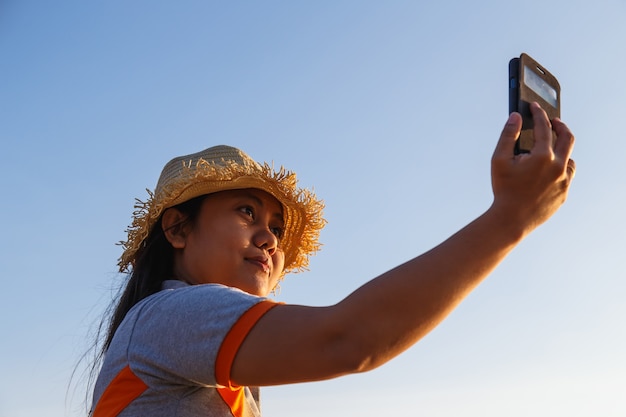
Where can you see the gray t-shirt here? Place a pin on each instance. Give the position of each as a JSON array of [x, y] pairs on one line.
[[172, 354]]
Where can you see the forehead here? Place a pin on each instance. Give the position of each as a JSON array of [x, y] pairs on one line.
[[253, 195]]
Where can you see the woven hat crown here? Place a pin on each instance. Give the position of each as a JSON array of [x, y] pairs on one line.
[[218, 156], [222, 168]]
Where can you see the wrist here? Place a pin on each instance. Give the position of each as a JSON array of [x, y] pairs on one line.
[[506, 222]]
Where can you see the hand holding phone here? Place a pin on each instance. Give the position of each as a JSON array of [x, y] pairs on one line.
[[531, 82]]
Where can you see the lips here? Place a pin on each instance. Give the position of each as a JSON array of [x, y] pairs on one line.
[[260, 261]]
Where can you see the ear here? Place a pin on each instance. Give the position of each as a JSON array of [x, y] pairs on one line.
[[173, 225]]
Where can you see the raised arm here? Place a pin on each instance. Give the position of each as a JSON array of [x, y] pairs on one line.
[[392, 312]]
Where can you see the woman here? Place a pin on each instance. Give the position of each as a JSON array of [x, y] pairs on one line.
[[193, 333]]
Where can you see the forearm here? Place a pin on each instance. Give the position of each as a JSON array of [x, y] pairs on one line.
[[395, 310]]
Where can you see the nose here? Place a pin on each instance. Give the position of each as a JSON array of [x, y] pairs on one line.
[[264, 238]]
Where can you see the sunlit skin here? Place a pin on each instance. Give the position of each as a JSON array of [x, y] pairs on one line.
[[235, 241]]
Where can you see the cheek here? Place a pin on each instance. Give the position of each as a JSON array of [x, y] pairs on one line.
[[202, 250], [278, 260]]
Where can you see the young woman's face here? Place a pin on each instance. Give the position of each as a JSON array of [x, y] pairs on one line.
[[235, 241]]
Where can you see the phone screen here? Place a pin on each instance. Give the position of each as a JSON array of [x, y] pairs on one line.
[[539, 86]]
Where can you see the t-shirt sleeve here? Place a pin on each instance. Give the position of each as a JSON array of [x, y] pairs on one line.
[[191, 335]]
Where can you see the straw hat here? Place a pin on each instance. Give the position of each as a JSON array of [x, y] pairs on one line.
[[223, 168]]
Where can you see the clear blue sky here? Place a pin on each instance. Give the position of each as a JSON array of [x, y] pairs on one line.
[[390, 110]]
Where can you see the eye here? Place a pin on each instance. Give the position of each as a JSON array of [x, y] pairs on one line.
[[248, 211], [279, 232]]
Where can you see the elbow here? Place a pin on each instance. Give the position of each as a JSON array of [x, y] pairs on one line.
[[365, 363]]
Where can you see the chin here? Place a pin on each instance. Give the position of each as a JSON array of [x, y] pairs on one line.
[[258, 290]]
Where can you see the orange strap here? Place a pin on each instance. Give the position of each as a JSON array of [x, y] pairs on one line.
[[234, 338], [234, 397], [125, 387]]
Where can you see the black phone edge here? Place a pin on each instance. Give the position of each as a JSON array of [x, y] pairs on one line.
[[514, 94]]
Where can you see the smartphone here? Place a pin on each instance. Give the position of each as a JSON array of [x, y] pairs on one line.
[[530, 81]]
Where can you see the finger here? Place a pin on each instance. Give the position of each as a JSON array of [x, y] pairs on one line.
[[571, 168], [542, 130], [510, 133], [564, 140]]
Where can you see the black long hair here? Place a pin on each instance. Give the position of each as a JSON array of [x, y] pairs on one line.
[[154, 263]]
